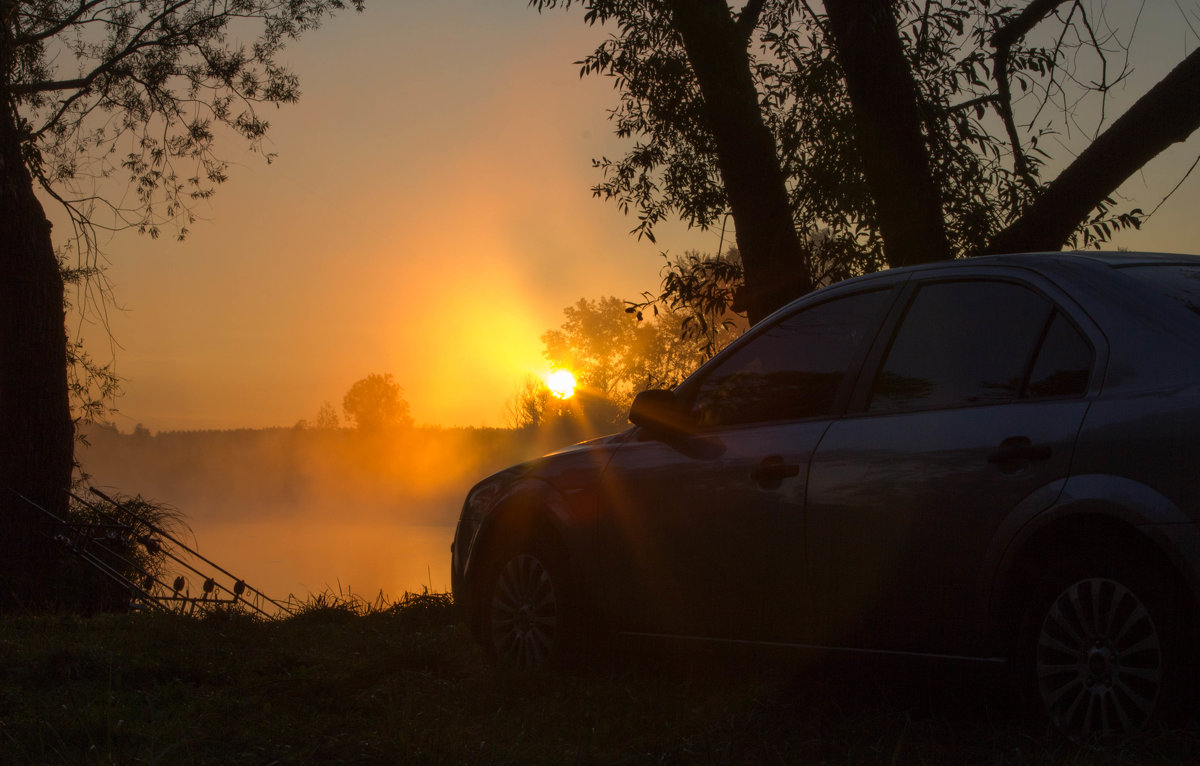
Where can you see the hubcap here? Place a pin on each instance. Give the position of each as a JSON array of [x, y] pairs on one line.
[[524, 612], [1099, 660]]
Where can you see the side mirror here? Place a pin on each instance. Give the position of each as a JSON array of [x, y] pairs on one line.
[[659, 412]]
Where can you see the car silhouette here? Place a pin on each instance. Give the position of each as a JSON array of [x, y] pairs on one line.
[[991, 460]]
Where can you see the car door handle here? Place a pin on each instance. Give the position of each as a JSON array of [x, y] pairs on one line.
[[770, 473], [1019, 449]]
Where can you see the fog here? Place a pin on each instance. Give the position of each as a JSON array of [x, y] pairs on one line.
[[305, 511]]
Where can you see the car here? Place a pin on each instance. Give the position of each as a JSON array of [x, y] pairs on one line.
[[991, 460]]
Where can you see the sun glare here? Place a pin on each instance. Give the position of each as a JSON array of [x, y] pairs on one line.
[[561, 383]]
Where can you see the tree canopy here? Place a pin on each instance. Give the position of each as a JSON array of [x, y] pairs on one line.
[[114, 96], [613, 355], [900, 131], [376, 403], [614, 352]]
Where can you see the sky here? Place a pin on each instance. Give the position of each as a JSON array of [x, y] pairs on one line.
[[429, 216]]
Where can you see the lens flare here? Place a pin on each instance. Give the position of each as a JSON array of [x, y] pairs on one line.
[[561, 383]]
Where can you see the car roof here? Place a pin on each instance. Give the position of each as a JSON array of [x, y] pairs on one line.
[[1107, 258], [1038, 262], [1035, 261], [1099, 257]]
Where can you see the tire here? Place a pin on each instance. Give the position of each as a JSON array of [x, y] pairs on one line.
[[1103, 650], [528, 612]]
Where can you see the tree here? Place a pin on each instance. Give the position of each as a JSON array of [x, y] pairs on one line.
[[376, 403], [698, 290], [898, 126], [683, 64], [888, 129], [1168, 113], [715, 43], [614, 352], [103, 101], [531, 405], [327, 418]]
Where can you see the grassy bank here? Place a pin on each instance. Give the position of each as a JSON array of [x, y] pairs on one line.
[[402, 684]]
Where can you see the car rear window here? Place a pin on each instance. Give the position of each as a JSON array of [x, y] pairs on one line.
[[1179, 282]]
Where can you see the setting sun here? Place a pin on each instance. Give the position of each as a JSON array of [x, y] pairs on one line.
[[561, 383]]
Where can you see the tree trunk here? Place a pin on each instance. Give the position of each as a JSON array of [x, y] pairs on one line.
[[1168, 113], [772, 255], [895, 156], [36, 433]]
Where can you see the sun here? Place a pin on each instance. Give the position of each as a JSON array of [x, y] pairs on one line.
[[561, 383]]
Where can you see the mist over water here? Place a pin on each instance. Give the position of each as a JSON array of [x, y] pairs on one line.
[[324, 554], [304, 511]]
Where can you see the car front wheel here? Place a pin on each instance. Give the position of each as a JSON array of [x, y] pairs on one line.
[[527, 616]]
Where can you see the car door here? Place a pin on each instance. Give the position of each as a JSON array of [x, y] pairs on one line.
[[702, 533], [973, 410]]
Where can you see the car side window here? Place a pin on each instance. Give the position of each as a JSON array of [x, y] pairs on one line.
[[963, 343], [792, 370]]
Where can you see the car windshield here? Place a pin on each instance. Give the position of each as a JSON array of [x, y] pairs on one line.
[[1179, 282]]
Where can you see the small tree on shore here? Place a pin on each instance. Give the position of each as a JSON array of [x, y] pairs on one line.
[[376, 403], [327, 418]]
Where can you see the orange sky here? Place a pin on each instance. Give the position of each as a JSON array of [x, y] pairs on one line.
[[428, 216]]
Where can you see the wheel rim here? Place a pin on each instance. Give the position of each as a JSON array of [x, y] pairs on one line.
[[1099, 660], [524, 612]]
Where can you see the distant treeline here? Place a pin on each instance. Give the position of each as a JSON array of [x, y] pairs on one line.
[[420, 473]]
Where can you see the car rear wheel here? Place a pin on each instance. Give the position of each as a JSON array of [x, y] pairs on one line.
[[528, 618], [1103, 650]]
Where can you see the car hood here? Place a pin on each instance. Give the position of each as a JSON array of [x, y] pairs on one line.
[[576, 465]]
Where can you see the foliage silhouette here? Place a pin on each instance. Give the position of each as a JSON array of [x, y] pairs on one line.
[[112, 109], [903, 131], [376, 403], [615, 351]]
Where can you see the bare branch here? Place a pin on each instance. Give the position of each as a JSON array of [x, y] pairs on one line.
[[64, 24], [1174, 188], [1024, 22], [1168, 113], [29, 88], [1003, 40]]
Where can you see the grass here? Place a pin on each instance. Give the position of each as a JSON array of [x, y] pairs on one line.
[[351, 681]]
